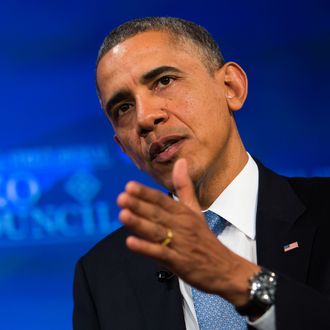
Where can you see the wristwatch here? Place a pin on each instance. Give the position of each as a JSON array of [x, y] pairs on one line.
[[262, 294]]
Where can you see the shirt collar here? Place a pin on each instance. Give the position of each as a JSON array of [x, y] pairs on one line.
[[238, 202]]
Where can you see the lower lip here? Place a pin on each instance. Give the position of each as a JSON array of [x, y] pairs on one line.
[[168, 154]]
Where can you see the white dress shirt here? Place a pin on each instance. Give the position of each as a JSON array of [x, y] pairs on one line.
[[238, 205]]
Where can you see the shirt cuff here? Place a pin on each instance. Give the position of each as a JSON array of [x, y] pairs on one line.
[[266, 321]]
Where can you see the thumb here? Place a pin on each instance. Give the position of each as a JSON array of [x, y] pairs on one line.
[[183, 185]]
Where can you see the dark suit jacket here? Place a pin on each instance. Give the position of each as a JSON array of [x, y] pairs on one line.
[[117, 289]]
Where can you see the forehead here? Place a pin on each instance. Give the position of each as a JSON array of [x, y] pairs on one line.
[[145, 50]]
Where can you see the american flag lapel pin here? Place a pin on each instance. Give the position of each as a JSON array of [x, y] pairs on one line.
[[291, 246]]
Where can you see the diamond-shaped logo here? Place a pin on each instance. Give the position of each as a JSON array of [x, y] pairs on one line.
[[83, 186]]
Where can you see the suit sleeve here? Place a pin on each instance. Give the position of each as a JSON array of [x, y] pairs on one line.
[[300, 307], [84, 312]]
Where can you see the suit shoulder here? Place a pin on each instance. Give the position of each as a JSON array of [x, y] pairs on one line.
[[312, 190], [311, 185], [112, 247], [313, 181]]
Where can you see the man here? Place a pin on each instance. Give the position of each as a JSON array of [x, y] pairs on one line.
[[171, 98]]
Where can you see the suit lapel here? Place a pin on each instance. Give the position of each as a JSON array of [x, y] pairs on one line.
[[281, 220]]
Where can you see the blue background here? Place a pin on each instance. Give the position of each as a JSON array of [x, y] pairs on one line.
[[59, 170]]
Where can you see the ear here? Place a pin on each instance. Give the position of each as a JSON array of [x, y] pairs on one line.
[[236, 85]]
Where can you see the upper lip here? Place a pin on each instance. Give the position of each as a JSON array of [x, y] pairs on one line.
[[161, 144]]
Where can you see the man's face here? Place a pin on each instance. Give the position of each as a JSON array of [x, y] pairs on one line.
[[164, 104]]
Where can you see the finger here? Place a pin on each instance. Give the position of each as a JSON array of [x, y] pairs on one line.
[[150, 195], [144, 228], [143, 209], [157, 251], [183, 185]]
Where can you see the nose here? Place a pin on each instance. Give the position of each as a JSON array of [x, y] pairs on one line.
[[150, 113]]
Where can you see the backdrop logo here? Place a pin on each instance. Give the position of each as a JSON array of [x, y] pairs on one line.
[[83, 187], [53, 195]]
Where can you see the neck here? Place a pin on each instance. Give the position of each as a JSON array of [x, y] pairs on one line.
[[222, 173]]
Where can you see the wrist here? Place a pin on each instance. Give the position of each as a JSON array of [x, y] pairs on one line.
[[241, 285], [235, 287]]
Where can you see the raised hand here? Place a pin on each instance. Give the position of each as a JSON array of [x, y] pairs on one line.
[[193, 252]]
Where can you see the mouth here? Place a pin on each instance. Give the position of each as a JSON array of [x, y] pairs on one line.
[[165, 149]]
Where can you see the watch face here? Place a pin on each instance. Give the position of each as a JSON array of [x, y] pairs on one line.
[[263, 287], [262, 294]]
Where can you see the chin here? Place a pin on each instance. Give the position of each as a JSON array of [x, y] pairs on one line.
[[166, 183]]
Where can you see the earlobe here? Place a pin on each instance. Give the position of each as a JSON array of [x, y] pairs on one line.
[[236, 84]]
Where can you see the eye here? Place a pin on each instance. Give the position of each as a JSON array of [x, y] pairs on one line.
[[121, 109], [164, 81]]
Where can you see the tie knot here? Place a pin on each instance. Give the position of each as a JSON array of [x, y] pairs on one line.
[[215, 222]]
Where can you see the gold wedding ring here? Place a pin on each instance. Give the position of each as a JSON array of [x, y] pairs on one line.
[[168, 238]]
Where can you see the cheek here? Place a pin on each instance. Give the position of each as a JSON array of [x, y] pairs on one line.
[[135, 154], [129, 143], [199, 113], [187, 108]]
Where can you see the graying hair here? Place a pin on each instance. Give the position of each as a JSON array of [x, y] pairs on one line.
[[178, 28]]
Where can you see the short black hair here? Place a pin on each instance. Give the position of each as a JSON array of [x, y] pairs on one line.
[[176, 27]]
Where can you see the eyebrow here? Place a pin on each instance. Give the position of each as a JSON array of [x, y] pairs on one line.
[[149, 76], [116, 98], [146, 78]]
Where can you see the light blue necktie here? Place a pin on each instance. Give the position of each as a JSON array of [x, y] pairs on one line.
[[214, 312]]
